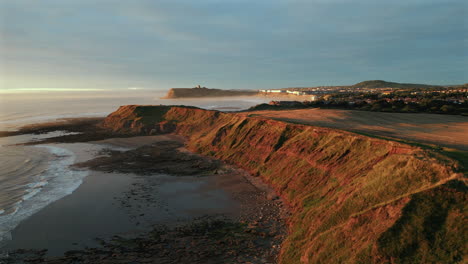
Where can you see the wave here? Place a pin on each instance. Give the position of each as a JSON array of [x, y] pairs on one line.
[[52, 184]]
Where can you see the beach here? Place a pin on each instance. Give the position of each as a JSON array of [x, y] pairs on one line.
[[129, 200]]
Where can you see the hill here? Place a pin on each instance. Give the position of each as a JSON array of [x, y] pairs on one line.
[[383, 84]]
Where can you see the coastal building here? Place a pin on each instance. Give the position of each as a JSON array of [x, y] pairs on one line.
[[272, 91], [295, 92]]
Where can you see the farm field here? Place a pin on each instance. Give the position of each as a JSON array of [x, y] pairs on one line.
[[444, 130]]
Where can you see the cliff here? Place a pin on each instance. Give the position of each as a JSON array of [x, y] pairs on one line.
[[355, 199], [205, 92]]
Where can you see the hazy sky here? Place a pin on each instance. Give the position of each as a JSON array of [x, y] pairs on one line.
[[230, 44]]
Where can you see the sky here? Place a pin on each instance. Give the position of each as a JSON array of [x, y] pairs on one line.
[[240, 44]]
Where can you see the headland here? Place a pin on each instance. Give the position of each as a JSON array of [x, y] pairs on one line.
[[200, 92]]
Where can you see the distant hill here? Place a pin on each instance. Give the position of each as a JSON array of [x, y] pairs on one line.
[[461, 86], [378, 84], [205, 92], [383, 84]]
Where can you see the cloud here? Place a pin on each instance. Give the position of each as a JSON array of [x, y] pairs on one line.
[[231, 44]]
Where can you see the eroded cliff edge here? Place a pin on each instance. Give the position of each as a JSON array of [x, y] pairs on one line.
[[355, 199]]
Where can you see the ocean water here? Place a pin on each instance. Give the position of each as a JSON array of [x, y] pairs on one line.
[[17, 109], [31, 177]]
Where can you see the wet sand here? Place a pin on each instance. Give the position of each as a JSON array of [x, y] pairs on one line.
[[131, 204]]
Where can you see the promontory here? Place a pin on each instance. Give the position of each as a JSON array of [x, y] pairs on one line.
[[199, 92]]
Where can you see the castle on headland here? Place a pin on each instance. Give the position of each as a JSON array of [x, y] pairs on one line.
[[199, 91]]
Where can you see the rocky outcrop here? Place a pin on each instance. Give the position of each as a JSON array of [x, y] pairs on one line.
[[205, 92], [355, 199]]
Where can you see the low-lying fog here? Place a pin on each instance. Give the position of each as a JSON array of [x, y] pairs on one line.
[[26, 107]]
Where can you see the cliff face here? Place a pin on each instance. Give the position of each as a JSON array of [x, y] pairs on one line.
[[355, 199], [138, 119], [205, 92]]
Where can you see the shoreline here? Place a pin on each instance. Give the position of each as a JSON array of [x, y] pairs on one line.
[[53, 184], [227, 184]]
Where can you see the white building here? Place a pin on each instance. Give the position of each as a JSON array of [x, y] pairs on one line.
[[271, 91]]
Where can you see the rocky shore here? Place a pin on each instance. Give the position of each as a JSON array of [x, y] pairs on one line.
[[202, 241]]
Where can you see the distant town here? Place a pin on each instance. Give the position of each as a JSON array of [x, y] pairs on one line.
[[380, 96]]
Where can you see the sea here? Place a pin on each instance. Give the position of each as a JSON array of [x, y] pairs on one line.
[[32, 177]]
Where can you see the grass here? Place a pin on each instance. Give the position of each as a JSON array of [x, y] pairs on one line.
[[459, 155], [349, 157], [432, 228]]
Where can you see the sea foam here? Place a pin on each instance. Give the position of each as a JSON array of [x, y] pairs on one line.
[[56, 182]]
